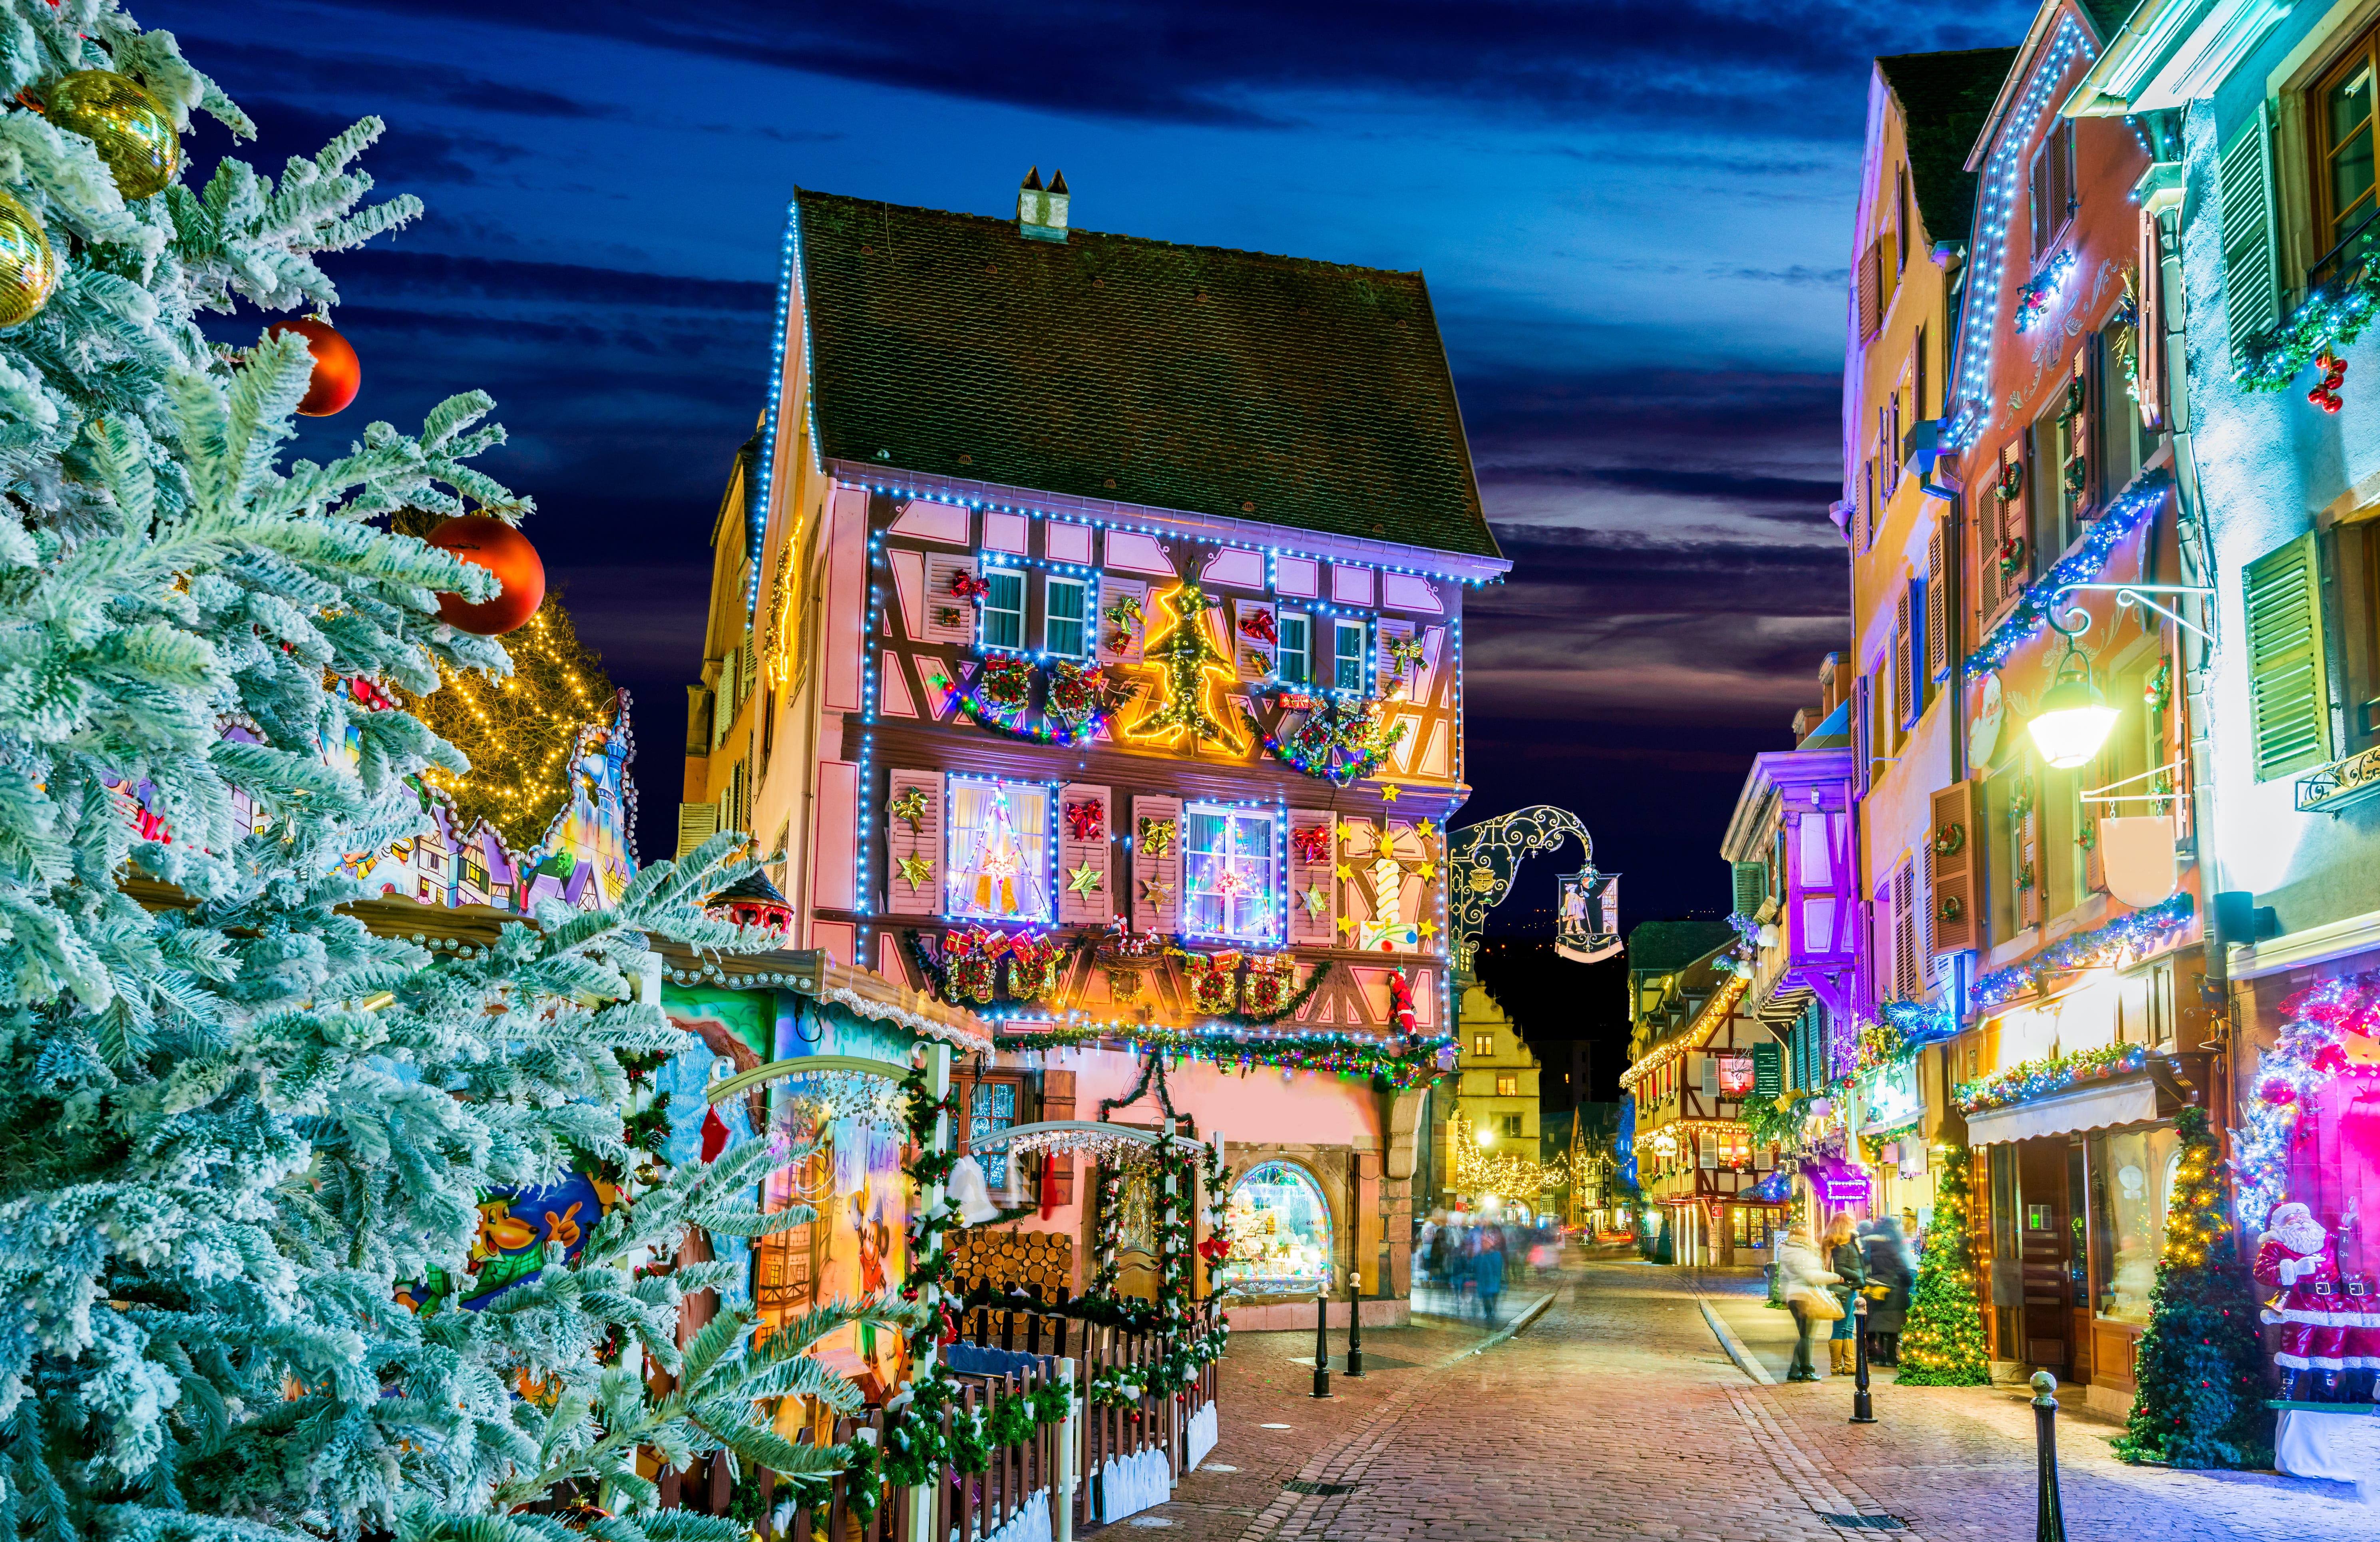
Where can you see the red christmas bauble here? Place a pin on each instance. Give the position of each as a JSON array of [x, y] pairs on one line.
[[338, 374], [503, 551]]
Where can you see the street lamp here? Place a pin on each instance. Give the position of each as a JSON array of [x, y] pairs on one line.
[[2074, 719]]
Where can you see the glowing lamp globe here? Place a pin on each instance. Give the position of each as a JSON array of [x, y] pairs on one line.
[[1485, 1139], [489, 543], [2073, 722]]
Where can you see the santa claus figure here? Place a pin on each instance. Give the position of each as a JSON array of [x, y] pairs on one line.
[[2300, 1260]]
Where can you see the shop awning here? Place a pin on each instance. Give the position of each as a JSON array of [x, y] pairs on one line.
[[2099, 1107]]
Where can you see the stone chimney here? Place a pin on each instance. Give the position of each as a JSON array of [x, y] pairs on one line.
[[1041, 212]]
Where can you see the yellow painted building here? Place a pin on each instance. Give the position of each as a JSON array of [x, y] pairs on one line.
[[1487, 1142]]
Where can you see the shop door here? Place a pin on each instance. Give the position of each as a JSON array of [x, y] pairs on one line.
[[2044, 1235]]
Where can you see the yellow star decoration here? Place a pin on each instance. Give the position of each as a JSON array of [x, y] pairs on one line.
[[1086, 880], [1317, 900], [1346, 923], [1345, 871], [1425, 830], [917, 870], [1154, 893], [1427, 871], [1389, 792], [1427, 930]]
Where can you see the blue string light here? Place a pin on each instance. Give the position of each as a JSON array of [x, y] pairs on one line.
[[2082, 567]]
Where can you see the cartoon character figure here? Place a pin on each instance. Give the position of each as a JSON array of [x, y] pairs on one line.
[[875, 1240]]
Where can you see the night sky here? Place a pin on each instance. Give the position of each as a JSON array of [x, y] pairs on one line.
[[1636, 221]]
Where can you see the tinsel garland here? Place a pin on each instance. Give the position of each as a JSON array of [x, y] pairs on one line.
[[2032, 610], [2135, 934]]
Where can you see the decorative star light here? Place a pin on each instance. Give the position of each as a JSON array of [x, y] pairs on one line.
[[1389, 792], [1086, 880], [917, 870], [1317, 901]]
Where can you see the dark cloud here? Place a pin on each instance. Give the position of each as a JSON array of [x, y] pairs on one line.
[[247, 67], [404, 155], [1787, 72]]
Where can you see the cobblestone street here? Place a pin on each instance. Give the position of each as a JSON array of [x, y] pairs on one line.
[[1618, 1414]]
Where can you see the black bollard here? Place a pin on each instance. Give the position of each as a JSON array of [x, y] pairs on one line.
[[1321, 1344], [1863, 1407], [1356, 1326], [2049, 1523]]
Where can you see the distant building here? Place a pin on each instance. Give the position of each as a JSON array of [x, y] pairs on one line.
[[1487, 1145]]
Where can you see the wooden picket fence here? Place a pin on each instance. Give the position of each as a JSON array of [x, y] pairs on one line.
[[967, 1507]]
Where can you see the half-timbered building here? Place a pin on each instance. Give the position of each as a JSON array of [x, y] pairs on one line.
[[1086, 648]]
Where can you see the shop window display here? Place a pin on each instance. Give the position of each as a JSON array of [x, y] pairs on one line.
[[998, 849], [2132, 1186], [1281, 1234]]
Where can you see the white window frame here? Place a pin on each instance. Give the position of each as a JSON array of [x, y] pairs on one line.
[[1341, 658], [1081, 621], [1303, 652], [1266, 907], [995, 577]]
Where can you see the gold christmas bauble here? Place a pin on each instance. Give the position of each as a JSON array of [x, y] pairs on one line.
[[130, 129], [29, 269]]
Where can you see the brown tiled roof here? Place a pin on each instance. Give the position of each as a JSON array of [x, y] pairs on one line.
[[1297, 393]]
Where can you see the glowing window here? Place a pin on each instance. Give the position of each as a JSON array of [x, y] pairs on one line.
[[1062, 625], [1281, 1234], [1230, 880], [998, 849], [1508, 1086]]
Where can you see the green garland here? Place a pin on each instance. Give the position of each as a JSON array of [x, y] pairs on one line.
[[1775, 1121], [1344, 1055], [1188, 1347], [2325, 323]]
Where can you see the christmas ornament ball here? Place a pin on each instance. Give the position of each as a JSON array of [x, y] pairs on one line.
[[338, 374], [29, 269], [491, 543], [130, 129]]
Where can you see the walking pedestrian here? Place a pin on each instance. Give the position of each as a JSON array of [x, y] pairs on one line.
[[1489, 1269], [1805, 1281], [1890, 1268], [1841, 1251]]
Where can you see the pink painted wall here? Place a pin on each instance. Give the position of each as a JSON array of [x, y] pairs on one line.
[[846, 595], [1310, 1109]]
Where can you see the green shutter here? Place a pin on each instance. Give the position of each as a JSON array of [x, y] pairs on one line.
[[1751, 886], [2251, 284], [2289, 692]]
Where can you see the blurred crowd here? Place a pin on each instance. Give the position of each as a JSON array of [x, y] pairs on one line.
[[1475, 1259]]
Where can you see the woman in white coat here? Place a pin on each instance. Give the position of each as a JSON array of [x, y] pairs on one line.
[[1803, 1279]]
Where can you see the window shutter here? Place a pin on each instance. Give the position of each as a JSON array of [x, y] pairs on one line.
[[918, 891], [1076, 907], [1868, 292], [1058, 1102], [2251, 282], [2061, 144], [1863, 732], [1903, 697], [1937, 606], [697, 822], [1751, 886], [949, 617], [1253, 656], [1156, 879], [1953, 862], [2029, 877], [1112, 590], [2288, 693], [1306, 925], [1904, 932], [1386, 634]]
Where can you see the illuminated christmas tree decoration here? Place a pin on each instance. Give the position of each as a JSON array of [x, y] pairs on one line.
[[1942, 1343], [1191, 671]]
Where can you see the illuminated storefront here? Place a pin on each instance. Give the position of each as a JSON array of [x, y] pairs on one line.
[[1281, 1234]]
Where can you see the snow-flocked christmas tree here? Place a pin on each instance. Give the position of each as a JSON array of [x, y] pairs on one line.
[[236, 1122]]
